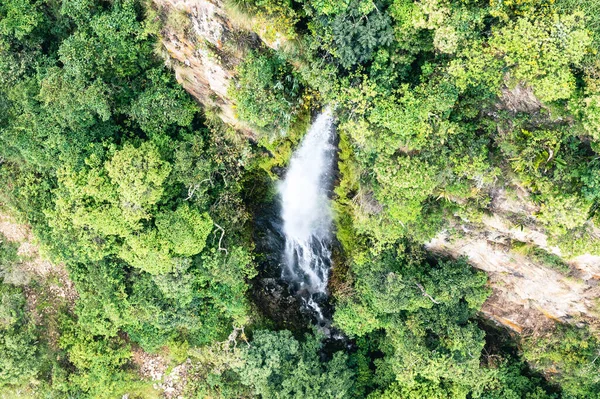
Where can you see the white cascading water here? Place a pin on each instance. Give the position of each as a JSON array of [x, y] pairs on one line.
[[306, 212]]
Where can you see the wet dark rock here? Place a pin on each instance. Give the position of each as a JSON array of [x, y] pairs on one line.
[[278, 171], [276, 302]]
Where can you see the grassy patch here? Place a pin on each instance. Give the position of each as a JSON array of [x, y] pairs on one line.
[[541, 256]]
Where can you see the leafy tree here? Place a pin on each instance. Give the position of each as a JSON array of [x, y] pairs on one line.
[[425, 312], [138, 175], [278, 366], [18, 18], [357, 32], [515, 381], [112, 165], [568, 355], [99, 362], [160, 104], [415, 118], [102, 307], [214, 372], [403, 186]]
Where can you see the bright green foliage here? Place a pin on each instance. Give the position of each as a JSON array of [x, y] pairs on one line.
[[160, 105], [591, 115], [332, 7], [18, 18], [214, 371], [272, 365], [513, 382], [115, 199], [512, 9], [226, 274], [185, 229], [404, 184], [476, 71], [560, 171], [440, 105], [192, 167], [109, 161], [587, 107], [542, 51], [106, 65], [99, 362], [568, 212], [588, 8], [138, 175], [509, 382], [148, 252], [357, 32], [102, 307], [274, 19], [197, 300], [534, 154], [425, 311], [415, 119], [416, 391], [431, 347], [390, 286], [428, 143]]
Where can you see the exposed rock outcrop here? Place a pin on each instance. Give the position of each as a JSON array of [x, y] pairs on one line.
[[203, 48], [519, 99], [527, 292], [203, 44]]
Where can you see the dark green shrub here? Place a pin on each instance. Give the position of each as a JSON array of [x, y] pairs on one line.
[[267, 93]]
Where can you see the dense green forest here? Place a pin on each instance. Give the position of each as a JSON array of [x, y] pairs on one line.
[[148, 200]]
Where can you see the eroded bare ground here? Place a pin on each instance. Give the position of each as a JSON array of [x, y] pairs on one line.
[[528, 295], [155, 367], [174, 383], [57, 287], [171, 383], [519, 99], [150, 366]]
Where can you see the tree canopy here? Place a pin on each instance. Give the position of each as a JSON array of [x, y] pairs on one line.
[[151, 208]]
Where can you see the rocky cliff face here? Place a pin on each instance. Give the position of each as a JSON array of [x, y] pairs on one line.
[[528, 291], [203, 44]]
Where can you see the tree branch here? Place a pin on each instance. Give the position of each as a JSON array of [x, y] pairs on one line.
[[191, 190], [426, 294], [221, 239], [193, 187], [233, 337]]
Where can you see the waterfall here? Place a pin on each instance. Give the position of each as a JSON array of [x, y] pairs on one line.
[[307, 215]]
